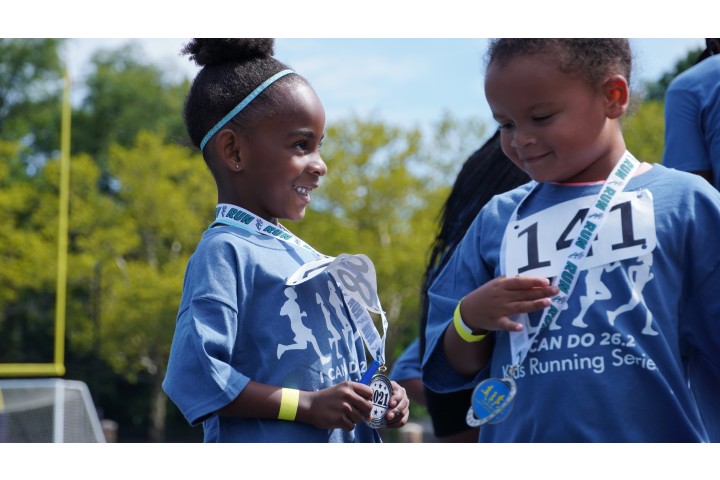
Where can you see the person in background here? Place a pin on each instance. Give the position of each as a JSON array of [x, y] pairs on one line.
[[692, 117], [486, 173], [406, 372]]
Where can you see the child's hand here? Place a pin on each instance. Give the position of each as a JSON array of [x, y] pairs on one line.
[[399, 407], [340, 406], [489, 307]]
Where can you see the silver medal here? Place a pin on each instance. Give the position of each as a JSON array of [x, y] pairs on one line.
[[382, 391]]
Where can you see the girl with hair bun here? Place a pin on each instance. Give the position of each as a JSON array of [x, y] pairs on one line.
[[255, 358]]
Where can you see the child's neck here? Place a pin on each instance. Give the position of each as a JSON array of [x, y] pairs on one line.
[[578, 184], [644, 167]]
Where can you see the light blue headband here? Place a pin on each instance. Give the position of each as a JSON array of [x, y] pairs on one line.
[[242, 105]]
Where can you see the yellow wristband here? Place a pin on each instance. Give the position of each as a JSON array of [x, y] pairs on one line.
[[463, 330], [289, 404]]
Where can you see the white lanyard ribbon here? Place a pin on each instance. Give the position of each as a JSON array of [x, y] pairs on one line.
[[235, 216], [521, 342], [355, 274]]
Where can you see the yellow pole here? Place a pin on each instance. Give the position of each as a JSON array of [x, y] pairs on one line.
[[60, 304]]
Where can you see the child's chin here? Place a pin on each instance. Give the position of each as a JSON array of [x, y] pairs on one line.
[[297, 217]]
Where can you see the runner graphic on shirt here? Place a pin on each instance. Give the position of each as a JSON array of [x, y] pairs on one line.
[[595, 290], [337, 303], [303, 335], [334, 334], [639, 275]]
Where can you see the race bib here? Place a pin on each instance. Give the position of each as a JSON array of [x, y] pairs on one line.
[[537, 245]]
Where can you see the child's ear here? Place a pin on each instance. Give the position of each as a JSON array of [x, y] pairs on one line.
[[227, 145], [617, 96]]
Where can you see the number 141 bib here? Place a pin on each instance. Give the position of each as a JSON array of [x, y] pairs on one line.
[[537, 244]]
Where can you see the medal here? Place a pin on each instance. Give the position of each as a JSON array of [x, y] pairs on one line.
[[355, 275], [491, 401], [381, 392]]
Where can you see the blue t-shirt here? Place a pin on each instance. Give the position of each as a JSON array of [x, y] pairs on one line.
[[692, 120], [407, 365], [238, 321], [635, 356]]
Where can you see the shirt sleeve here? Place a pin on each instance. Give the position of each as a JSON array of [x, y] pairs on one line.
[[201, 377], [700, 315], [464, 272], [407, 365], [685, 147]]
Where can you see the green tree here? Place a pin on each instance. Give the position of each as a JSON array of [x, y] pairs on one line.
[[125, 95], [28, 251], [656, 90], [31, 79], [127, 256], [165, 200], [644, 132]]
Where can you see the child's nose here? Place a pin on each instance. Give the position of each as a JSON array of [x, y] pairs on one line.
[[521, 139], [317, 166]]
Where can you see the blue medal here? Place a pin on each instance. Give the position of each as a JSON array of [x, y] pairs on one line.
[[491, 401]]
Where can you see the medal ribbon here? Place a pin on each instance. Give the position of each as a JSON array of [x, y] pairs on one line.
[[520, 342], [355, 275]]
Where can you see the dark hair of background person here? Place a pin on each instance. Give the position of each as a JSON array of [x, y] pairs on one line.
[[486, 173], [712, 47]]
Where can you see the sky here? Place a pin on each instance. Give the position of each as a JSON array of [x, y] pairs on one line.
[[405, 62], [404, 81]]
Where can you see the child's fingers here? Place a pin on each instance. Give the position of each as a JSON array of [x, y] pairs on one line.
[[527, 306], [506, 323], [399, 397], [355, 415], [397, 417], [524, 283], [362, 390], [532, 294], [360, 401], [398, 407]]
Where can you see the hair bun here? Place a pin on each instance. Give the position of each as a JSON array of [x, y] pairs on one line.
[[211, 51]]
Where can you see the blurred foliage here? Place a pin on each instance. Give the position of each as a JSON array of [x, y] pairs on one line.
[[139, 202], [124, 96], [656, 90], [31, 79], [644, 132]]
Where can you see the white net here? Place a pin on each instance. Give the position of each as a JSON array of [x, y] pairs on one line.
[[47, 410]]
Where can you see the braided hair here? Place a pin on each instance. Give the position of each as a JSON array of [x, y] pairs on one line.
[[712, 47], [486, 173], [231, 69]]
